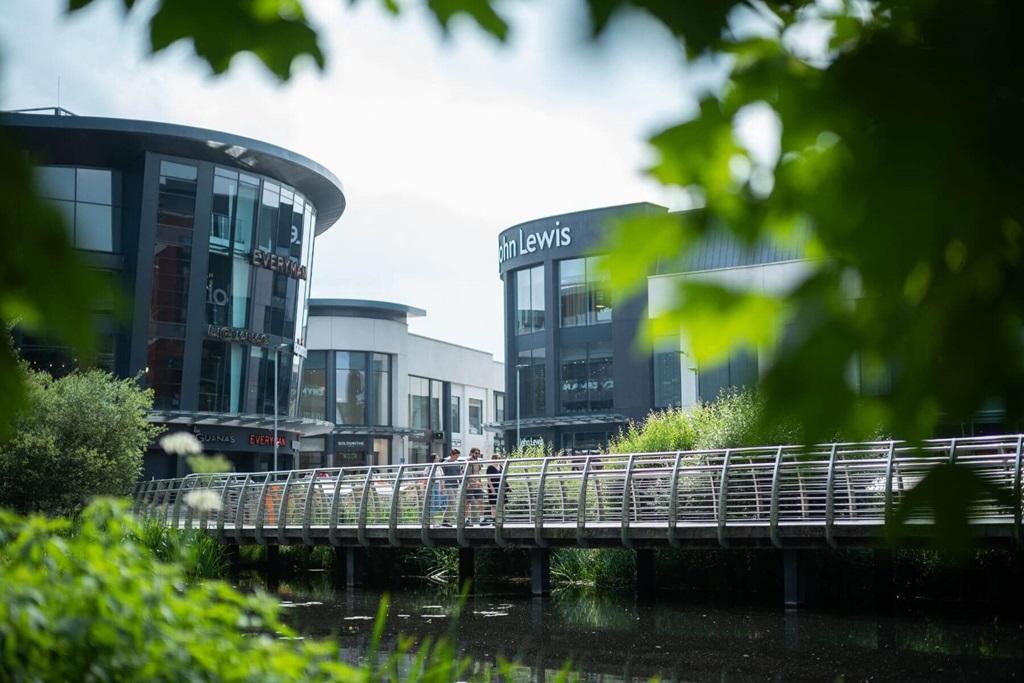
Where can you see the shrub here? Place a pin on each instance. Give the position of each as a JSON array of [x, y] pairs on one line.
[[79, 436]]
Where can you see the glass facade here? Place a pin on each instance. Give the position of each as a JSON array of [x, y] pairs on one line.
[[89, 199], [381, 388], [583, 293], [313, 401], [587, 383], [425, 403], [350, 388], [668, 385], [499, 407], [738, 370], [532, 376], [529, 299], [456, 415], [476, 416]]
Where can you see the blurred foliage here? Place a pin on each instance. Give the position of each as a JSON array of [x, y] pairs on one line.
[[198, 553], [210, 464], [96, 603], [734, 420], [75, 437]]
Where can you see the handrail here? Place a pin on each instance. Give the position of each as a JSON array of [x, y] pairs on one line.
[[628, 499]]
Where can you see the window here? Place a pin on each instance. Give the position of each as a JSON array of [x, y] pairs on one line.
[[532, 378], [436, 391], [583, 292], [221, 377], [587, 384], [529, 299], [668, 390], [738, 370], [456, 414], [313, 395], [476, 416], [499, 407], [419, 402], [87, 199], [350, 388], [381, 388]]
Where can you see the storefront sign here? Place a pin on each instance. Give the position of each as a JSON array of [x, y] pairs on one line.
[[266, 440], [235, 334], [349, 445], [213, 437], [558, 236], [279, 264]]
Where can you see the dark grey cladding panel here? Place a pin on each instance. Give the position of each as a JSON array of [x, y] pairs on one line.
[[722, 250], [586, 229], [115, 143]]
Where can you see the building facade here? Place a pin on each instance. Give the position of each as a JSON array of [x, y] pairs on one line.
[[211, 235], [393, 397]]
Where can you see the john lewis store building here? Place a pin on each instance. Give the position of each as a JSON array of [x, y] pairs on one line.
[[212, 235]]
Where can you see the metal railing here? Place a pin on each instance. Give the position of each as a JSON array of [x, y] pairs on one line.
[[766, 492]]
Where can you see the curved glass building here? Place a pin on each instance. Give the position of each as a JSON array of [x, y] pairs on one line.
[[212, 236]]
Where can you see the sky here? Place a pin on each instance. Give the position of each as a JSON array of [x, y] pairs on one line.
[[439, 141]]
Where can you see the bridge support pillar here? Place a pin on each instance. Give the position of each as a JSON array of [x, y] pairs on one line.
[[645, 578], [467, 568], [234, 553], [883, 588], [273, 556], [540, 571], [348, 567], [793, 578]]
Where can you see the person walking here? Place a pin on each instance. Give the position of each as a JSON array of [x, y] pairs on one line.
[[493, 471], [452, 473], [474, 488], [437, 496]]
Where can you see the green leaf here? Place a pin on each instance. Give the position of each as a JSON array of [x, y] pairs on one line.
[[480, 11]]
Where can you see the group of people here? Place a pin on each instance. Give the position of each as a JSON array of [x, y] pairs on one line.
[[481, 487]]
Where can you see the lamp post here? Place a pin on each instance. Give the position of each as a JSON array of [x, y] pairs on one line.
[[519, 400], [277, 352]]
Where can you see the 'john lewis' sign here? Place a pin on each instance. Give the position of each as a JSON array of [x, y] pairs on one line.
[[528, 243]]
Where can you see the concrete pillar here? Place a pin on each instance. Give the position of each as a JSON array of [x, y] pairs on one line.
[[883, 586], [467, 572], [793, 579], [540, 571], [645, 579], [348, 569]]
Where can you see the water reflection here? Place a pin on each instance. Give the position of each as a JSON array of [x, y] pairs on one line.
[[611, 637]]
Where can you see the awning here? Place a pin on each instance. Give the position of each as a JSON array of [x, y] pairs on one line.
[[301, 425]]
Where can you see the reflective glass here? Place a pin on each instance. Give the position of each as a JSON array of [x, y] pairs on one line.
[[529, 284], [56, 182], [94, 228], [419, 402], [269, 212], [532, 378], [245, 215], [218, 288], [172, 169], [313, 401], [240, 292], [382, 389], [67, 212], [456, 415], [164, 360], [436, 391], [499, 406], [587, 382], [93, 185], [476, 416], [572, 291], [350, 388], [668, 360]]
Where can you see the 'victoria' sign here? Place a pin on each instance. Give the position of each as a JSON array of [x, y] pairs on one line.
[[558, 236], [278, 264]]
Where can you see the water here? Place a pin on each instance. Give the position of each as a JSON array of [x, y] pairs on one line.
[[609, 636]]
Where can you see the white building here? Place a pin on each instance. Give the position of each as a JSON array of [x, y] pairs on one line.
[[394, 397]]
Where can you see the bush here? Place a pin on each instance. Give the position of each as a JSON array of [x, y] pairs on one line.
[[79, 436], [732, 421]]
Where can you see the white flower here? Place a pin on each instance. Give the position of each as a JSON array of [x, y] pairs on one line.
[[203, 500], [180, 443]]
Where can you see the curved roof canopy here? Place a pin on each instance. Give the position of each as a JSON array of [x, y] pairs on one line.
[[91, 140], [363, 308]]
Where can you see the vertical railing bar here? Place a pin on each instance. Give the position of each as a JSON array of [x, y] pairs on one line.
[[332, 524], [1018, 503], [282, 508], [673, 502], [723, 499], [538, 517], [952, 451], [428, 501], [499, 511], [240, 510], [223, 506], [830, 498], [890, 463], [165, 501], [311, 490], [396, 496], [261, 505], [773, 513], [627, 539], [189, 511], [176, 511], [460, 507], [581, 505], [364, 498]]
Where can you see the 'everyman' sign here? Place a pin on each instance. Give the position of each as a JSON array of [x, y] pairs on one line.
[[279, 264]]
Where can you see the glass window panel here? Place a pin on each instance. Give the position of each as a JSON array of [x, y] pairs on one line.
[[476, 416], [225, 191], [269, 212], [313, 400], [240, 292], [93, 185], [164, 360], [456, 415], [382, 389], [600, 380], [532, 377], [529, 300], [667, 373], [245, 215], [180, 171], [600, 298], [499, 406], [574, 379], [419, 403], [94, 227], [67, 212], [572, 292], [56, 182], [218, 289], [436, 392], [350, 388]]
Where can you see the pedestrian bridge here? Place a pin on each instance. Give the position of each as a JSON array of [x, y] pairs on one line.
[[785, 496]]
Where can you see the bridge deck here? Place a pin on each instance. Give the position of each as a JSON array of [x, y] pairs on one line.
[[835, 494]]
